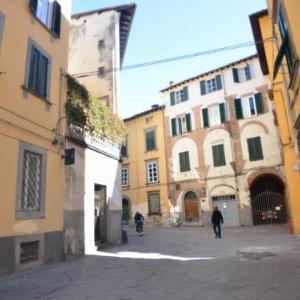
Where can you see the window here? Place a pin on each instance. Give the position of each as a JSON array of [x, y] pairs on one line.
[[297, 133], [2, 20], [150, 139], [211, 85], [286, 50], [181, 124], [241, 74], [218, 155], [49, 13], [184, 161], [255, 149], [124, 176], [153, 203], [249, 106], [214, 115], [124, 147], [31, 181], [38, 71], [223, 198], [179, 96], [29, 252], [152, 171]]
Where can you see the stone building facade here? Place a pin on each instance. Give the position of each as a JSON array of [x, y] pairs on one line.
[[222, 147]]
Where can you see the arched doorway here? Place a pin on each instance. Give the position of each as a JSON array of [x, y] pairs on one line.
[[125, 211], [268, 200], [191, 206]]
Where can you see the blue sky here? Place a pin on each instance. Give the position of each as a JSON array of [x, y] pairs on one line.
[[168, 28]]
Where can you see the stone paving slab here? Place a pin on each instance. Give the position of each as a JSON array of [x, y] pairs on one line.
[[248, 263]]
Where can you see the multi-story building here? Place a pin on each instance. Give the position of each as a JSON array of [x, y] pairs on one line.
[[33, 58], [144, 177], [222, 147], [277, 35], [93, 205]]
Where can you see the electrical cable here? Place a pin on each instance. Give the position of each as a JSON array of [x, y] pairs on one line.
[[171, 59]]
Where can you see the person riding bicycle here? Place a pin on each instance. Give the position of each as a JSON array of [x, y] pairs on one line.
[[138, 219]]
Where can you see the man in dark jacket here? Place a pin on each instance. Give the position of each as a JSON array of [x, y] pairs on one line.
[[138, 219], [216, 219]]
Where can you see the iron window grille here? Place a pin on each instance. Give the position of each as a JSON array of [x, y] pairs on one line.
[[31, 185], [29, 252], [223, 198]]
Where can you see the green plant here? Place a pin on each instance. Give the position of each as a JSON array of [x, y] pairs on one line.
[[93, 117]]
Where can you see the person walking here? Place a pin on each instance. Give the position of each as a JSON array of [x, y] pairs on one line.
[[138, 219], [216, 220]]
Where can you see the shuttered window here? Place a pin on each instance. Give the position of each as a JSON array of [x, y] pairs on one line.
[[181, 125], [214, 115], [241, 74], [153, 203], [184, 161], [38, 72], [255, 149], [211, 85], [49, 13], [150, 140], [179, 96], [218, 155], [249, 106]]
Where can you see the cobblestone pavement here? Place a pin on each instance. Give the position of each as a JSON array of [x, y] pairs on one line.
[[174, 263]]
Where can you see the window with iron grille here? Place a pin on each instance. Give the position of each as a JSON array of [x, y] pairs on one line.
[[223, 198], [31, 186], [153, 203], [31, 181], [29, 252], [152, 171], [124, 174]]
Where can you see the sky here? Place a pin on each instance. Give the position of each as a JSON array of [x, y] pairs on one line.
[[169, 28]]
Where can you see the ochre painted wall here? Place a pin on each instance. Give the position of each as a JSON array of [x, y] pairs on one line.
[[25, 117]]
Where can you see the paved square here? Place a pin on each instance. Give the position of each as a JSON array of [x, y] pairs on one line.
[[174, 263]]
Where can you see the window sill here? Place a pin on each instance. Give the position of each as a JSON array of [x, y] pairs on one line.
[[36, 94], [125, 187], [152, 183], [155, 214], [146, 151], [44, 26]]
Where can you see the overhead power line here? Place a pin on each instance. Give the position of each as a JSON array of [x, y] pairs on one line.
[[171, 59]]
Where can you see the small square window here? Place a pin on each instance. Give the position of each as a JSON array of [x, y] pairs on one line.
[[29, 252]]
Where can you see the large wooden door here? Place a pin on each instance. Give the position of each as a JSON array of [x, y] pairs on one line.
[[191, 207]]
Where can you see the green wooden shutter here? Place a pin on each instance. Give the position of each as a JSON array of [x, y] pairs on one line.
[[219, 82], [43, 76], [202, 87], [173, 123], [188, 122], [205, 117], [235, 74], [255, 149], [33, 69], [185, 94], [238, 108], [56, 19], [184, 161], [259, 103], [218, 155], [222, 112], [247, 72], [172, 98]]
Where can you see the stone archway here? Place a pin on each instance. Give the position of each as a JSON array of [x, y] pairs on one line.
[[191, 206], [268, 200]]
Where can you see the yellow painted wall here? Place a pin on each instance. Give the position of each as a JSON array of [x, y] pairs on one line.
[[25, 117], [285, 115], [136, 161]]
